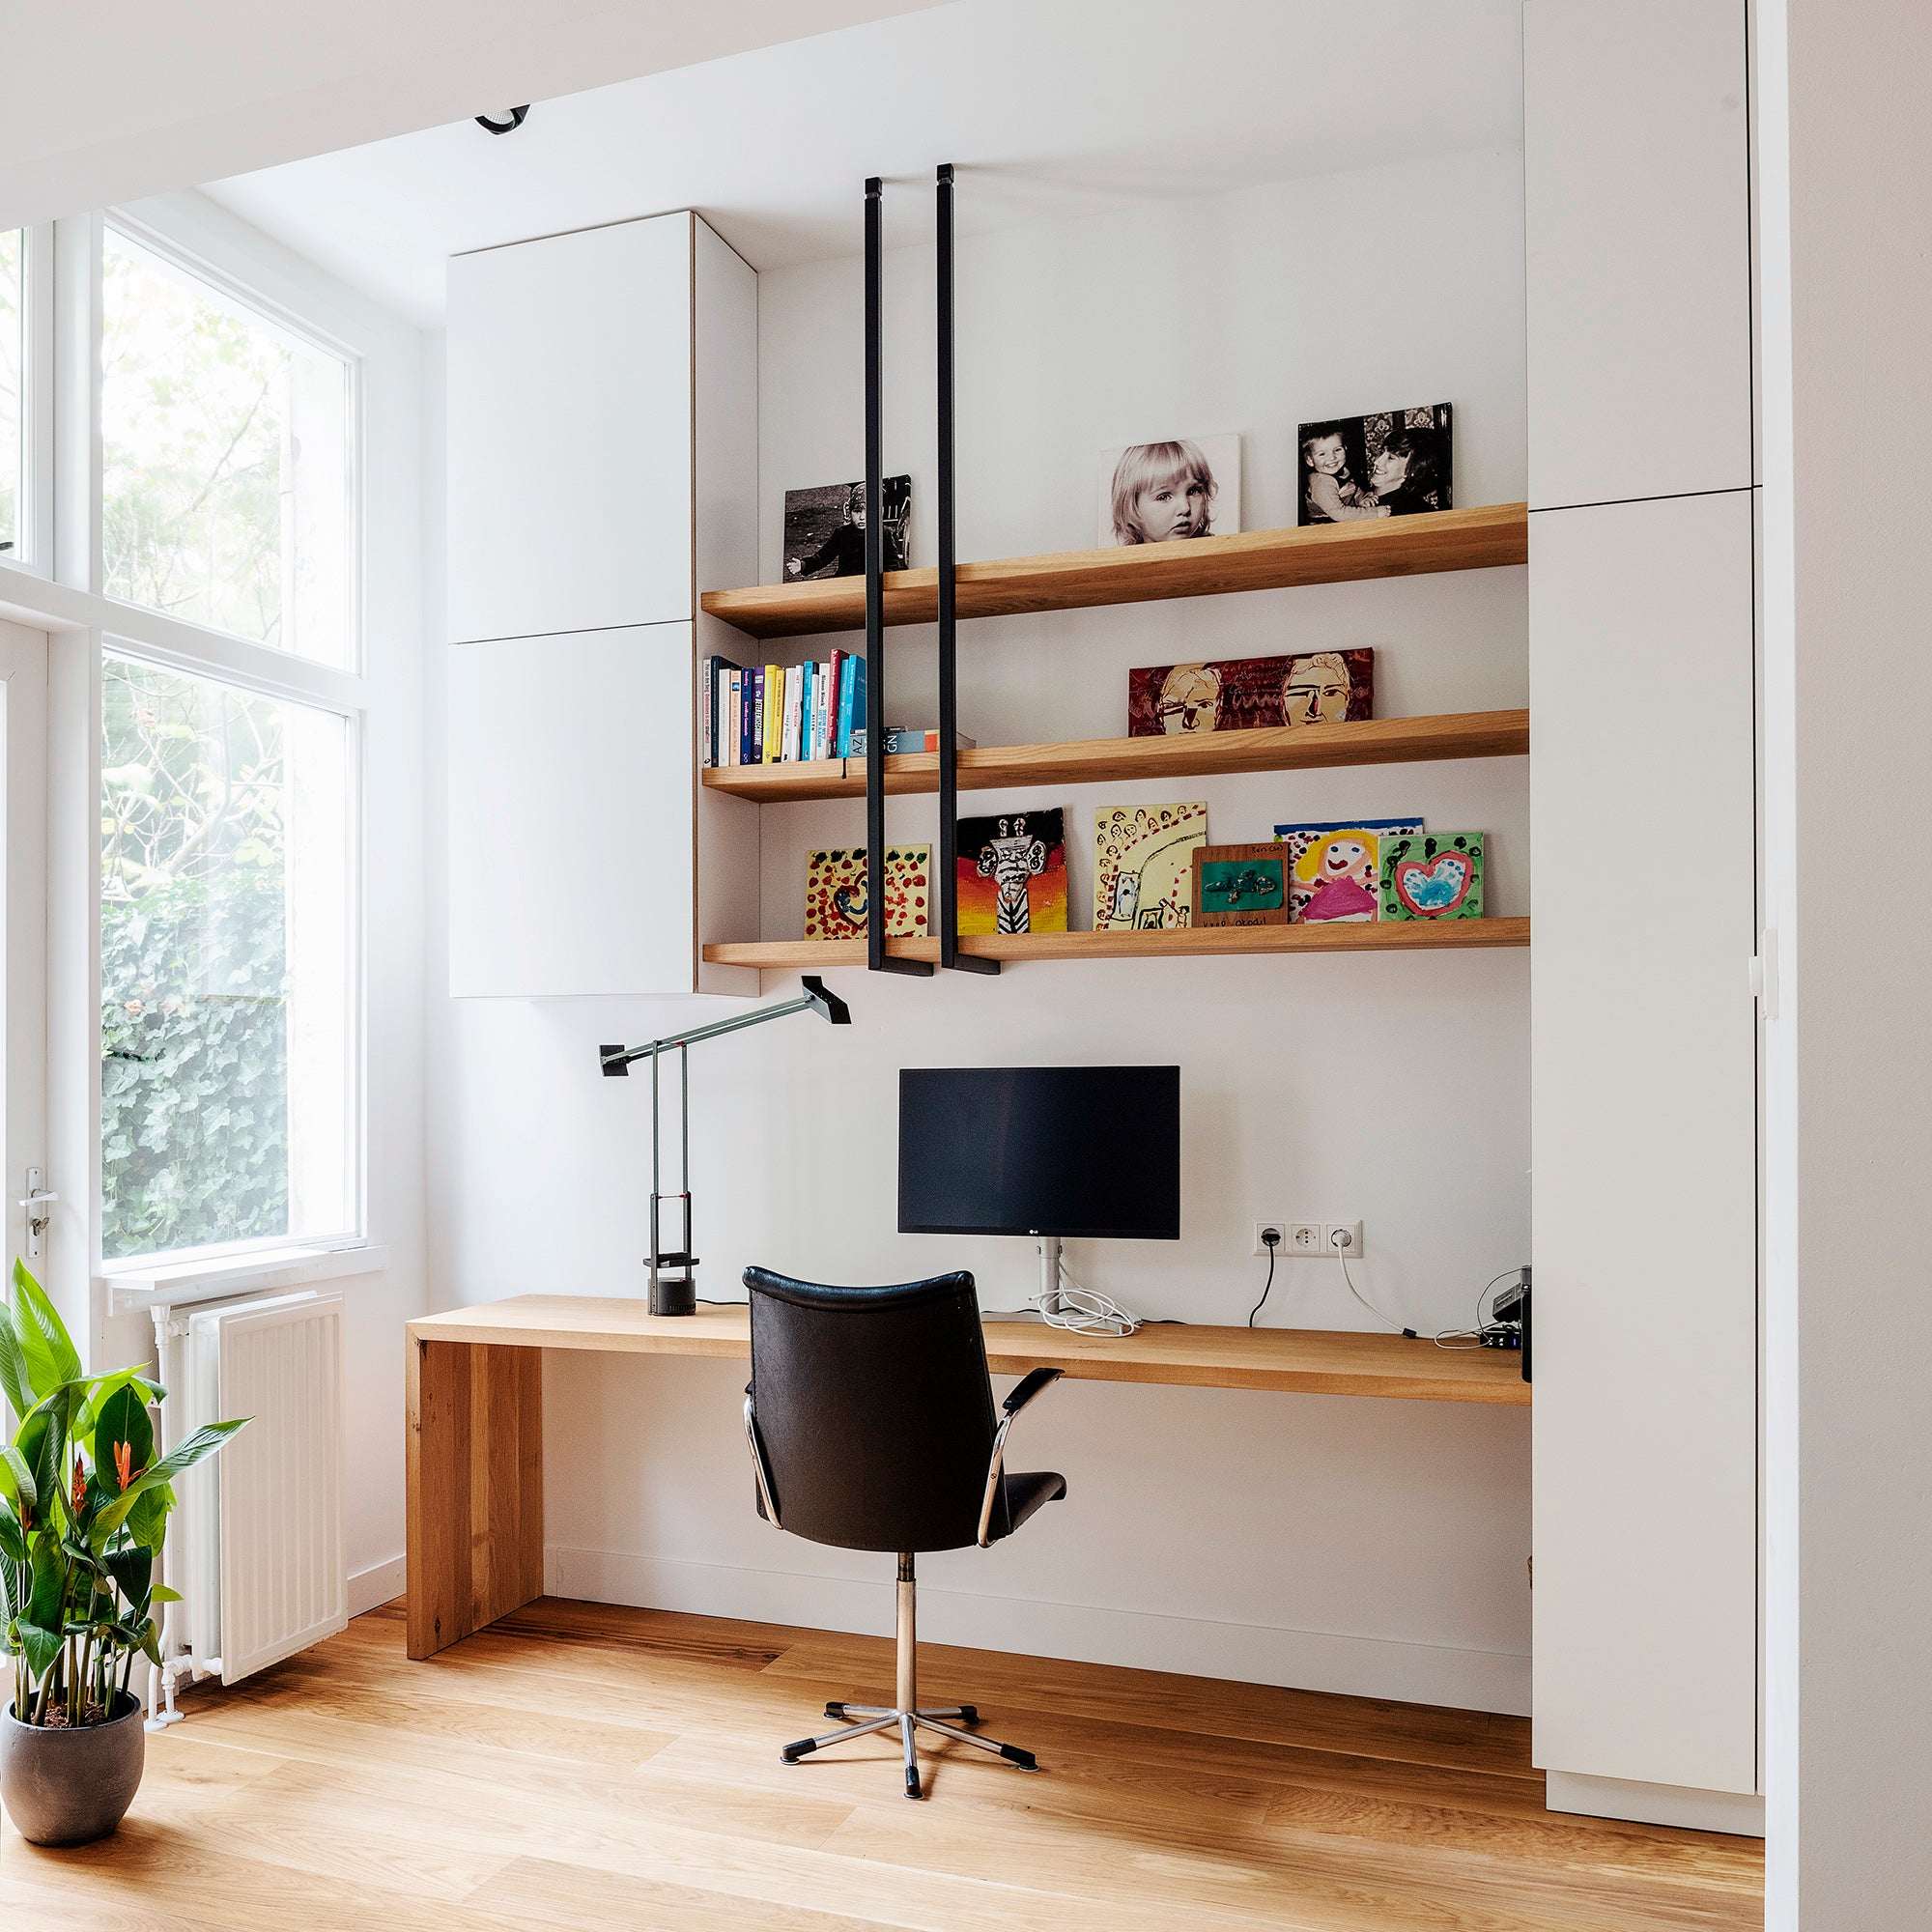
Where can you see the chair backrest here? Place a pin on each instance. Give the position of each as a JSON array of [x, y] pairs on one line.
[[874, 1410]]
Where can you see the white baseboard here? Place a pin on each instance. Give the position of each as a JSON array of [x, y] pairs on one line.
[[1733, 1811], [1416, 1673], [380, 1583]]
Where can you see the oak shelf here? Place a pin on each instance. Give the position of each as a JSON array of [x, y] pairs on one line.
[[1368, 741], [813, 955], [1479, 539]]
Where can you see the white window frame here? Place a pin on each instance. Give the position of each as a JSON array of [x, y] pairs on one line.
[[57, 585]]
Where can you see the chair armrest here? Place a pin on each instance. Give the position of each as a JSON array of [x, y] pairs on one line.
[[758, 1462], [1037, 1381]]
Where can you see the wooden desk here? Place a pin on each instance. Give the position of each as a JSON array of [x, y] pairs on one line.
[[475, 1409]]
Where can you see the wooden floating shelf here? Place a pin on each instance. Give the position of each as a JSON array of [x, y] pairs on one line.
[[1369, 741], [1078, 579], [813, 955]]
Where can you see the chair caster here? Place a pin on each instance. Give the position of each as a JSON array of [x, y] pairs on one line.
[[1024, 1759], [791, 1754], [969, 1714], [836, 1710], [912, 1781]]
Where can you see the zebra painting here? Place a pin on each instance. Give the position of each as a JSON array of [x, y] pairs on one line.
[[1022, 858]]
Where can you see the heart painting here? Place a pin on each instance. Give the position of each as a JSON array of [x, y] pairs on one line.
[[1432, 875]]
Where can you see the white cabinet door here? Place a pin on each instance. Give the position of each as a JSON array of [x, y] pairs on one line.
[[1638, 248], [1643, 1136], [570, 432], [571, 830]]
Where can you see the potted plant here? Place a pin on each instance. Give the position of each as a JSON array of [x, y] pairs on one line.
[[84, 1506]]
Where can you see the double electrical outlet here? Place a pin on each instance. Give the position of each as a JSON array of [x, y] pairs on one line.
[[1309, 1239]]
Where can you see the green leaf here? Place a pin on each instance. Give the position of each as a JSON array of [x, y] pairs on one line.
[[134, 1570], [17, 1481], [16, 1383], [39, 1645], [51, 1356], [161, 1594], [123, 1431], [148, 1519]]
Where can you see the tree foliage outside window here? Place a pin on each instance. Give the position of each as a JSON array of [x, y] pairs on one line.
[[11, 358], [194, 963], [225, 476]]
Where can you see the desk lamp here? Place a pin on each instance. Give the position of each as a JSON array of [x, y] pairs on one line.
[[674, 1273]]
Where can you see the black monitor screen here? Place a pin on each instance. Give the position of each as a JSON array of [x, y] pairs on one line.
[[1086, 1150]]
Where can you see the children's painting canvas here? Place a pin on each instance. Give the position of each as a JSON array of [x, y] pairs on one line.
[[1335, 870], [1012, 873], [1164, 492], [1240, 885], [1432, 875], [1393, 463], [1244, 694], [834, 892], [1144, 865]]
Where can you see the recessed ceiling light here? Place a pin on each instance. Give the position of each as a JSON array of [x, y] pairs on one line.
[[504, 119]]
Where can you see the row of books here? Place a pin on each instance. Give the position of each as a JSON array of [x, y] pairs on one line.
[[774, 714]]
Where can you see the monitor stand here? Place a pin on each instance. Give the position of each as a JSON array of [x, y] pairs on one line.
[[1049, 1274]]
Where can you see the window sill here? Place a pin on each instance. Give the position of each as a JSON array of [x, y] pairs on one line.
[[134, 1286]]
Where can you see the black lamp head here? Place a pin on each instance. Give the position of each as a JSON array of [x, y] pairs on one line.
[[827, 1005], [505, 119]]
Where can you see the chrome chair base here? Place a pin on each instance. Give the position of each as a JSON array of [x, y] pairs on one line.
[[859, 1721]]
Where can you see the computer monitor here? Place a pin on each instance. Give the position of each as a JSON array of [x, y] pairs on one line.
[[1050, 1151]]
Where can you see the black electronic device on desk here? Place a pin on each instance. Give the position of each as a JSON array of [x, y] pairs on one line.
[[1050, 1151]]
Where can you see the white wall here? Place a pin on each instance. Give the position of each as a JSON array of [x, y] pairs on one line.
[[1360, 1545], [1847, 154]]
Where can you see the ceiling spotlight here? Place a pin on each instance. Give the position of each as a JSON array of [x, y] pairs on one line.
[[504, 119]]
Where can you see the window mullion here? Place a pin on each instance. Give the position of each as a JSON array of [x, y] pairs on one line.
[[75, 390]]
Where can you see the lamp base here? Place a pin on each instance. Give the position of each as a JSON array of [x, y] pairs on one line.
[[674, 1297]]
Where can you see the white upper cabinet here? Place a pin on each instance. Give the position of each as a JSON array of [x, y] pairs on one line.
[[1638, 239], [570, 432], [603, 467]]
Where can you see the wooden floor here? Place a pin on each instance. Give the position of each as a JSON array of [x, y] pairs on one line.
[[578, 1766]]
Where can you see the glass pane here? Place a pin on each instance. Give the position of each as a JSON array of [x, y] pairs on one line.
[[226, 1034], [12, 309], [226, 480]]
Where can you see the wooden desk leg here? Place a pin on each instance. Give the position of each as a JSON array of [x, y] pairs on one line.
[[475, 1487]]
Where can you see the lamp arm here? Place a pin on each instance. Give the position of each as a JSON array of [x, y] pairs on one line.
[[617, 1060]]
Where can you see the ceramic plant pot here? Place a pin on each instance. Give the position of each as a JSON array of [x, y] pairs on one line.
[[71, 1787]]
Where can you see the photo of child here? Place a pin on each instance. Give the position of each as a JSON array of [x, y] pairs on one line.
[[1393, 463], [1167, 492], [825, 528]]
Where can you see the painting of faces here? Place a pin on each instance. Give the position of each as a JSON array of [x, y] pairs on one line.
[[1164, 492], [825, 528], [1246, 693], [1395, 464]]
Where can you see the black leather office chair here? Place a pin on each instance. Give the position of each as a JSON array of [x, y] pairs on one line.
[[871, 1427]]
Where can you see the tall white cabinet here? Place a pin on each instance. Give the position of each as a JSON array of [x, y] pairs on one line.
[[1643, 1039], [603, 473]]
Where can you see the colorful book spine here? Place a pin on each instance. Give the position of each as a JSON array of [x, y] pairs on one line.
[[788, 729], [833, 698], [774, 709], [852, 706], [745, 756], [808, 707], [707, 714]]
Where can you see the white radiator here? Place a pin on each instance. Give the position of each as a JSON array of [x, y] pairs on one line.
[[255, 1547]]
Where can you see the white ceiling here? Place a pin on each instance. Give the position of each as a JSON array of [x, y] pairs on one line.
[[1051, 107], [103, 101]]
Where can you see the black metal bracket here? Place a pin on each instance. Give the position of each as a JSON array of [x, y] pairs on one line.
[[948, 863], [877, 959]]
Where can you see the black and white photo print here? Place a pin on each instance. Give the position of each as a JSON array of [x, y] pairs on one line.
[[1163, 492], [1393, 463], [825, 528]]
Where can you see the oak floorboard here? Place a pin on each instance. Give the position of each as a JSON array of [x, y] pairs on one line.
[[581, 1765]]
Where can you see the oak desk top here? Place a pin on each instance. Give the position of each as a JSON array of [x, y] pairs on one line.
[[1298, 1360]]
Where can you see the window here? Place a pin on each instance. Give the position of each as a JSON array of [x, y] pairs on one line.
[[227, 472], [13, 364], [227, 950]]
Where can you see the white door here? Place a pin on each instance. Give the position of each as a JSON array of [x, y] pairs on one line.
[[23, 921]]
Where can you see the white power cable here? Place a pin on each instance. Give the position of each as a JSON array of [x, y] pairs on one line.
[[1085, 1310], [1342, 1256]]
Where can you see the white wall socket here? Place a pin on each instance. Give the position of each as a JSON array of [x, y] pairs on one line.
[[1279, 1224], [1304, 1237], [1341, 1238]]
